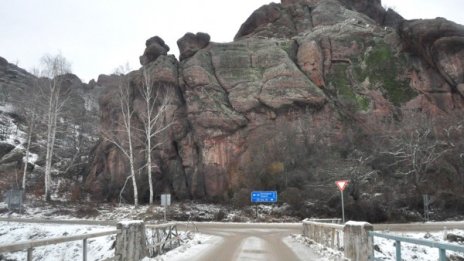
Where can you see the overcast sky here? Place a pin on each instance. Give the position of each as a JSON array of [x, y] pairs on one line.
[[97, 36]]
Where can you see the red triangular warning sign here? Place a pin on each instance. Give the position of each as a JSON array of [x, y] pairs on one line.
[[341, 184]]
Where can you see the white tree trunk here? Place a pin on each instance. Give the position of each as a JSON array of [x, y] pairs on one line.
[[54, 66], [132, 167], [48, 157], [28, 146], [150, 181]]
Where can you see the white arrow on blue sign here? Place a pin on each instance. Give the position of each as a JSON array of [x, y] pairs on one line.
[[264, 196]]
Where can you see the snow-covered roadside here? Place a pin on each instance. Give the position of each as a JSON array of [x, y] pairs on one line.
[[386, 250], [304, 248], [98, 248], [191, 248]]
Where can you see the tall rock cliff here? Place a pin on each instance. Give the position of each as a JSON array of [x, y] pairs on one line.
[[266, 110]]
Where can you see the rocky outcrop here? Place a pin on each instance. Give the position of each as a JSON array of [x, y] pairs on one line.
[[155, 47], [190, 43], [296, 73], [294, 17], [440, 43]]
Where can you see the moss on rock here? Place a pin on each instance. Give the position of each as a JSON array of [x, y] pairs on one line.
[[383, 69]]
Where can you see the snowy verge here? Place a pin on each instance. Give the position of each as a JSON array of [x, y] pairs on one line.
[[304, 247], [191, 248]]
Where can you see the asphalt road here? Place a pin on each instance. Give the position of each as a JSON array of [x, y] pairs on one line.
[[252, 242]]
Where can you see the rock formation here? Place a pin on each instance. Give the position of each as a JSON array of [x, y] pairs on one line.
[[303, 96], [190, 43], [155, 47]]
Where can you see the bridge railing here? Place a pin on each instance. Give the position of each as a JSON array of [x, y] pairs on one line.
[[134, 240], [30, 245], [442, 247], [327, 234], [351, 238], [161, 238]]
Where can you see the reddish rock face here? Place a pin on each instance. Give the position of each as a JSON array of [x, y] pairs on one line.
[[294, 67]]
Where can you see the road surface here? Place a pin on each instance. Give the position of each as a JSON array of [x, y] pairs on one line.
[[252, 242]]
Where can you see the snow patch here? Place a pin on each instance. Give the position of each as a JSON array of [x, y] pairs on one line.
[[127, 223], [191, 249], [306, 249], [357, 223]]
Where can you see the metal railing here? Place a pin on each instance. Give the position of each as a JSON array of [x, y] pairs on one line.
[[161, 237], [442, 247], [327, 234], [30, 245]]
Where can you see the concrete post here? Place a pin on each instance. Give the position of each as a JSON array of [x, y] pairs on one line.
[[357, 243], [131, 241]]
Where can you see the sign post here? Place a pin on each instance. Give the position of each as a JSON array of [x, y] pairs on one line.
[[165, 201], [15, 199], [342, 184], [263, 197]]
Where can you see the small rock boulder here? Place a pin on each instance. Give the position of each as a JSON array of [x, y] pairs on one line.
[[454, 238], [5, 148], [155, 47], [190, 43], [13, 156]]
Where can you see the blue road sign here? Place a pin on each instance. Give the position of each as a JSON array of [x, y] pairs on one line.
[[264, 196]]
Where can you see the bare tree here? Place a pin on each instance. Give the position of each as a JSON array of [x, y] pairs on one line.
[[415, 145], [127, 113], [53, 68], [154, 120]]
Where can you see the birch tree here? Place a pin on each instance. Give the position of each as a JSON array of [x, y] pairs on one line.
[[53, 67], [27, 106], [154, 120], [127, 113], [30, 130]]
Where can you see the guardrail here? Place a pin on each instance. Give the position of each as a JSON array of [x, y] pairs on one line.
[[442, 247], [327, 234], [30, 245], [56, 221]]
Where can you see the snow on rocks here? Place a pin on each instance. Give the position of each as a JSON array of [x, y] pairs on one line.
[[127, 223]]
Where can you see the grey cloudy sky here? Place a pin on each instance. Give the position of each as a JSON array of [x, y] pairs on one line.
[[97, 36]]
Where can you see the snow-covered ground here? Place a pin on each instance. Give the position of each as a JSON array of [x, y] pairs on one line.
[[192, 211], [98, 248], [302, 246], [192, 248]]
